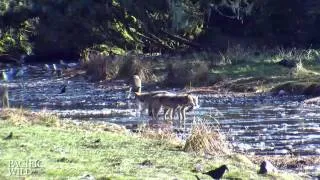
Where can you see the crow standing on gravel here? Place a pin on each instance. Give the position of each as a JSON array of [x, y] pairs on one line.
[[217, 173], [63, 89], [288, 63]]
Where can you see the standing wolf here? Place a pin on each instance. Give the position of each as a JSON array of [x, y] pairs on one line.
[[146, 99], [173, 103], [170, 102]]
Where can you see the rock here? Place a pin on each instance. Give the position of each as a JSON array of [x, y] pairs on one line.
[[282, 92], [312, 90], [198, 167], [266, 167], [315, 100]]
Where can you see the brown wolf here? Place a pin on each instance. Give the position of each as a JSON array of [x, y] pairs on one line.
[[4, 96], [173, 103], [146, 99]]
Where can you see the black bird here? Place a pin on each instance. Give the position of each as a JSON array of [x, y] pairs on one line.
[[63, 89], [288, 63], [217, 173], [97, 140], [8, 137], [266, 167], [263, 168]]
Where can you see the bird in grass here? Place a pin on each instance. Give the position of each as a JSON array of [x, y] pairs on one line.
[[97, 140], [8, 137], [217, 173], [63, 89], [266, 167]]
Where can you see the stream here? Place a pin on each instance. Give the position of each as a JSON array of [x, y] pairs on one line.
[[260, 124]]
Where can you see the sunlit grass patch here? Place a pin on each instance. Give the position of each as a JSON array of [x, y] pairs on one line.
[[205, 139], [187, 73], [25, 117]]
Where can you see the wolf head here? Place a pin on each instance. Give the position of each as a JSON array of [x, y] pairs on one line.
[[140, 96], [194, 102]]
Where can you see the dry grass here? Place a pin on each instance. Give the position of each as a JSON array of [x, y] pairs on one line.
[[133, 66], [94, 126], [25, 117], [161, 133], [206, 140], [101, 67], [297, 54], [95, 65], [21, 116], [181, 73]]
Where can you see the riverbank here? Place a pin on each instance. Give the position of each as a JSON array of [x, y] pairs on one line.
[[56, 149], [237, 70]]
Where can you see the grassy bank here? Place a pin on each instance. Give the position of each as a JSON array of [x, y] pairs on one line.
[[65, 150]]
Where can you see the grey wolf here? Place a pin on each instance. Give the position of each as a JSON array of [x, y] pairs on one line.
[[146, 99], [173, 103]]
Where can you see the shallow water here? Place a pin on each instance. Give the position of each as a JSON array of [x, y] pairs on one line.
[[259, 124]]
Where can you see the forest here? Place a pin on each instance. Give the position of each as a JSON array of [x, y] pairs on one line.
[[65, 28]]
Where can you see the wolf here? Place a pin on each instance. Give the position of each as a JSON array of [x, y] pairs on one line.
[[146, 99], [4, 96], [173, 103], [183, 108]]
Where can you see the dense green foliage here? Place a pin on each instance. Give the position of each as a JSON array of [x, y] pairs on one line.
[[60, 26]]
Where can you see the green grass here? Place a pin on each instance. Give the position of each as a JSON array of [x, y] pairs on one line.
[[71, 151], [266, 75], [250, 69]]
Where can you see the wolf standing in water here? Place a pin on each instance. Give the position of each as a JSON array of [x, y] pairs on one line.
[[170, 102], [146, 99], [4, 96], [173, 103]]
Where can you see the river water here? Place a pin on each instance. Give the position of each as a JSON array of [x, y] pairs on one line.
[[260, 124]]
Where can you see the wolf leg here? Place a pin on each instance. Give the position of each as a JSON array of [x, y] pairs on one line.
[[183, 112], [155, 110]]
